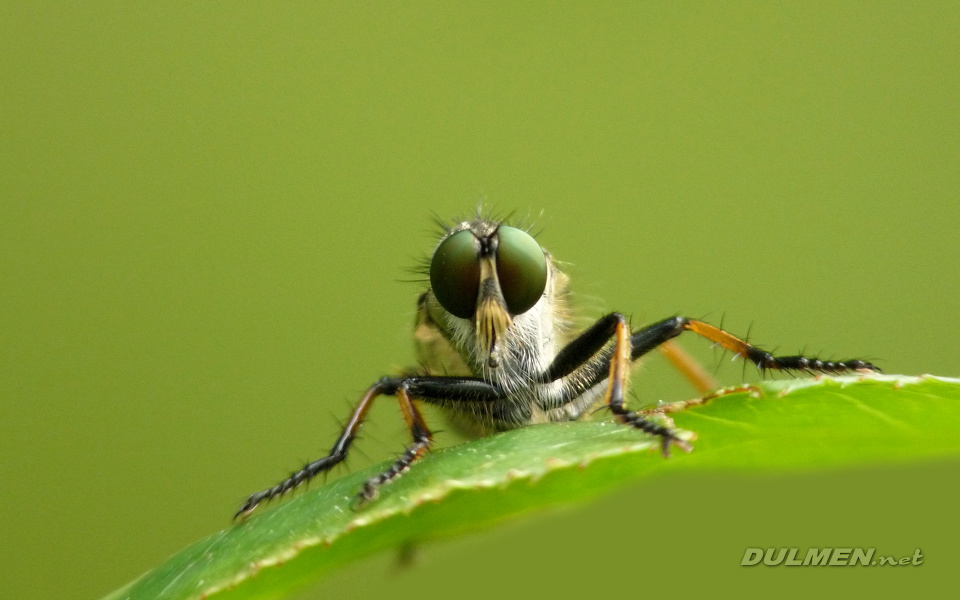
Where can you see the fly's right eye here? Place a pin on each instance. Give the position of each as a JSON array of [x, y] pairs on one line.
[[455, 273]]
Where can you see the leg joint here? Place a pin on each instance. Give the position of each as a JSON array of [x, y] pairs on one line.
[[388, 385]]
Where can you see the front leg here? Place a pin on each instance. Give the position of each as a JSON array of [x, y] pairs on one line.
[[582, 355], [434, 389], [337, 454], [584, 362], [453, 389], [585, 359], [616, 388]]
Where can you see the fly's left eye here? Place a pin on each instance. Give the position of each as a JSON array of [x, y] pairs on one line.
[[521, 269], [455, 273]]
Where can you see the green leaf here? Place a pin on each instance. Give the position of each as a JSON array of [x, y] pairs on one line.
[[772, 426]]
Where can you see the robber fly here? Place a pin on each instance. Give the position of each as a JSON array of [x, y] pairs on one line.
[[497, 353]]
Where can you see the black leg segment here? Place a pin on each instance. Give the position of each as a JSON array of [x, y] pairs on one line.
[[421, 444], [586, 359], [584, 347], [459, 389], [649, 338]]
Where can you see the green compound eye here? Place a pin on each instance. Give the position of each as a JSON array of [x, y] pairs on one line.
[[521, 269], [455, 273]]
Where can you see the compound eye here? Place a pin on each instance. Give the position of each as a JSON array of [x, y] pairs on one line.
[[521, 269], [455, 273]]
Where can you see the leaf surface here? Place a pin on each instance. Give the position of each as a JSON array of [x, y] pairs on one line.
[[774, 426]]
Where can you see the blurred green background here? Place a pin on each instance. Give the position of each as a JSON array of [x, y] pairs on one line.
[[207, 213]]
